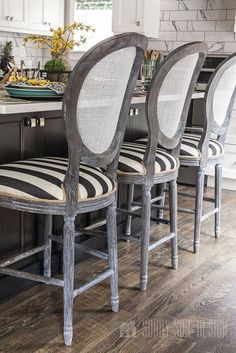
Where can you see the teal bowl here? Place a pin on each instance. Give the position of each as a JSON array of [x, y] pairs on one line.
[[31, 93]]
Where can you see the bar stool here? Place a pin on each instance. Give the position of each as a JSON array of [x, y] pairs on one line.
[[95, 109], [167, 106], [204, 150]]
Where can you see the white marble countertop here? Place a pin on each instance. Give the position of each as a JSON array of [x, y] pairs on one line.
[[22, 106]]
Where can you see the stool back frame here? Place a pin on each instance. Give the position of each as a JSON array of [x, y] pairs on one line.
[[155, 131], [76, 147], [210, 120]]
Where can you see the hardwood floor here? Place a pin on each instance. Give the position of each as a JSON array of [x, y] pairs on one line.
[[191, 310]]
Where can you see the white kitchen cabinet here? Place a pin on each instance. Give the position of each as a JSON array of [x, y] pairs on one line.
[[54, 12], [31, 16], [44, 14], [13, 14], [142, 16], [4, 13]]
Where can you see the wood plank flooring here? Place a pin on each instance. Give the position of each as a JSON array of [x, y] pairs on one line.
[[191, 310]]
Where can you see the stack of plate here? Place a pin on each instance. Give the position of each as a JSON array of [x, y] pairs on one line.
[[32, 92]]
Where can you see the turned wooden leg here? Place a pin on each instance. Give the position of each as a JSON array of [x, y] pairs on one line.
[[68, 269], [129, 208], [146, 212], [218, 178], [161, 188], [173, 223], [48, 243], [198, 209], [112, 255]]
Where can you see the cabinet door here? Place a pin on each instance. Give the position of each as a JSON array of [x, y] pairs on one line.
[[127, 15], [151, 18], [18, 12], [140, 16], [53, 14], [36, 15], [4, 17], [48, 140], [10, 150]]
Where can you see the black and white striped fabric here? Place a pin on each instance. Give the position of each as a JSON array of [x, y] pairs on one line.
[[189, 147], [131, 160], [40, 179]]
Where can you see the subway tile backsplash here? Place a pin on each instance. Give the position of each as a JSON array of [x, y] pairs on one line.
[[190, 20], [31, 53]]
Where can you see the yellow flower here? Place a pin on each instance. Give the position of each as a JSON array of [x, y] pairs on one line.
[[61, 42]]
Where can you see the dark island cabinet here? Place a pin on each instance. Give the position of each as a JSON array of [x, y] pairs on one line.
[[26, 136]]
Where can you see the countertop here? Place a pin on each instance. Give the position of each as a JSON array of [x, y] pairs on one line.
[[14, 106]]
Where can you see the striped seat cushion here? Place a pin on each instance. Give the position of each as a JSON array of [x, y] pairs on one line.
[[189, 147], [131, 160], [41, 179]]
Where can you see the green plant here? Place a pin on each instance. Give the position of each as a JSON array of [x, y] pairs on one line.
[[7, 50], [55, 65], [6, 56]]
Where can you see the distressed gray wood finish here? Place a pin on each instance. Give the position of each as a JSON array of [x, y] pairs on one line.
[[218, 177], [155, 137], [78, 151], [48, 245], [210, 126]]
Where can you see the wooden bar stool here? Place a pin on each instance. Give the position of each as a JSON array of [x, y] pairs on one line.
[[95, 109], [203, 150], [142, 163]]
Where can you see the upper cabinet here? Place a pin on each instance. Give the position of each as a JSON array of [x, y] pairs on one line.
[[142, 16], [31, 16], [13, 14], [44, 14]]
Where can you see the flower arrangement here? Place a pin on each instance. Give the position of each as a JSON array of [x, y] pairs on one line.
[[61, 42]]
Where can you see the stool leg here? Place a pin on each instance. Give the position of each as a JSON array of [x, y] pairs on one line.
[[218, 177], [48, 244], [198, 209], [146, 213], [129, 207], [160, 213], [112, 255], [173, 223], [68, 269]]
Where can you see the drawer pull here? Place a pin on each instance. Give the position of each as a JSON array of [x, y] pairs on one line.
[[34, 122], [131, 112], [42, 122]]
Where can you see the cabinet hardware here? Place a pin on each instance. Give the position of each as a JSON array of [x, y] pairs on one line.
[[45, 23], [133, 112], [34, 122], [138, 23], [7, 18], [11, 18], [27, 122], [49, 23], [41, 122]]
